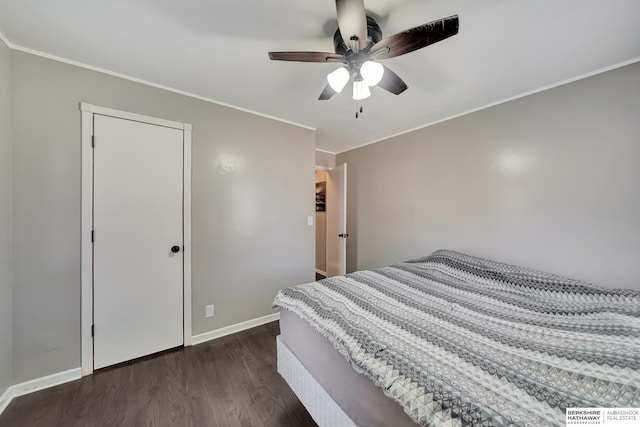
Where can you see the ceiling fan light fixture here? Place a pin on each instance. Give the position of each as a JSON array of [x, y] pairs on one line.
[[372, 72], [360, 90], [338, 79]]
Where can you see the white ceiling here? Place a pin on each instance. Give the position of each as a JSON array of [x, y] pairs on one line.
[[218, 50]]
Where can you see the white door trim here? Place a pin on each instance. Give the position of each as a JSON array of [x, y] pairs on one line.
[[86, 253]]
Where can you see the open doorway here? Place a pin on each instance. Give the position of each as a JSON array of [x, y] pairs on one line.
[[331, 221], [321, 224]]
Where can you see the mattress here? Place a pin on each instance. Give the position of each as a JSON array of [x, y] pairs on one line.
[[458, 340], [363, 402]]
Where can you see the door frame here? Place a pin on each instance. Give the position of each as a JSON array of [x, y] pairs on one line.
[[86, 246]]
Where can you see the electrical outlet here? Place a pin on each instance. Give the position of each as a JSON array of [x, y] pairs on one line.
[[208, 311]]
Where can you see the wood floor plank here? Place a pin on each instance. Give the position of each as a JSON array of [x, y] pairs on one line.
[[230, 382]]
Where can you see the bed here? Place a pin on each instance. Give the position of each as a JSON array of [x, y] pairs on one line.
[[451, 339]]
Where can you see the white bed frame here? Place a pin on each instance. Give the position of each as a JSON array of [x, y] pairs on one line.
[[323, 409]]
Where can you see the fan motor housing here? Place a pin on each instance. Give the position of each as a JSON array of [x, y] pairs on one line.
[[374, 34]]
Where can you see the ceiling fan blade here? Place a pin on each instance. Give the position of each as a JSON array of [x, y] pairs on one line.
[[391, 82], [416, 38], [306, 56], [352, 22], [327, 93]]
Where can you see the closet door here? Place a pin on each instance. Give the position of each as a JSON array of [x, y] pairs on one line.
[[138, 241]]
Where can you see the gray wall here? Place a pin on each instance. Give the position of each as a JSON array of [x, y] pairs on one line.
[[252, 193], [6, 375], [550, 181]]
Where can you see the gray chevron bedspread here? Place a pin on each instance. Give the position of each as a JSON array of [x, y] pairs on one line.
[[458, 340]]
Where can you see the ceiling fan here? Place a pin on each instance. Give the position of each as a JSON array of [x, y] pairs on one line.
[[358, 44]]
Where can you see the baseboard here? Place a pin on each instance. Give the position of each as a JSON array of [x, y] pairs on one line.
[[5, 399], [232, 329], [324, 273], [38, 384]]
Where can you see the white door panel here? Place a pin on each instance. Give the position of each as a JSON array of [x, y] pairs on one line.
[[337, 221], [138, 281]]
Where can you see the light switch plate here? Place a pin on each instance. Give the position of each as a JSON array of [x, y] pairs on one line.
[[310, 220]]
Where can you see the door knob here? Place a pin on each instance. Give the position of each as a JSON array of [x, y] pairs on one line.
[[343, 235], [175, 249]]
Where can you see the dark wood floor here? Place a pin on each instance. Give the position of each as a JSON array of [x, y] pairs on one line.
[[319, 276], [231, 381]]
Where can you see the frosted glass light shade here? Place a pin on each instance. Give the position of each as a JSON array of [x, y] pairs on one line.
[[360, 90], [338, 79], [372, 72]]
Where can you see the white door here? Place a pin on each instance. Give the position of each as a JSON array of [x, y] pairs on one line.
[[138, 224], [337, 221]]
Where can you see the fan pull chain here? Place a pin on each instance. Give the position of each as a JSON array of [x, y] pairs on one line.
[[358, 98], [359, 109]]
